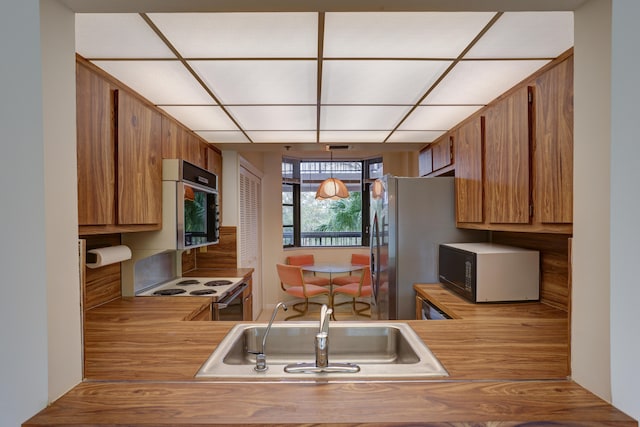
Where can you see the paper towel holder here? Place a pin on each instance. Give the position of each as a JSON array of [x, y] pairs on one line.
[[102, 256]]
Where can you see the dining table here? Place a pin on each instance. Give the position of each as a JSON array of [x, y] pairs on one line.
[[331, 269]]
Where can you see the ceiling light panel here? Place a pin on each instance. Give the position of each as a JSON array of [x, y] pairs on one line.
[[441, 117], [201, 117], [240, 35], [361, 117], [161, 82], [298, 136], [526, 35], [117, 35], [223, 136], [274, 117], [401, 34], [411, 136], [479, 82], [372, 136], [260, 82], [378, 82]]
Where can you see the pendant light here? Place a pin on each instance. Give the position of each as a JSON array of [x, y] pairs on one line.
[[332, 188]]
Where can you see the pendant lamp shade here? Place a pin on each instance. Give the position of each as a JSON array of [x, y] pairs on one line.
[[332, 188]]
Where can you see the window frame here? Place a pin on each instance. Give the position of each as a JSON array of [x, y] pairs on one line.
[[295, 182]]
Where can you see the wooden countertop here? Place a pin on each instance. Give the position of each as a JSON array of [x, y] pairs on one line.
[[142, 357]]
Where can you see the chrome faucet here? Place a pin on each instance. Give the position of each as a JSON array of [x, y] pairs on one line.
[[322, 338], [261, 357], [322, 365]]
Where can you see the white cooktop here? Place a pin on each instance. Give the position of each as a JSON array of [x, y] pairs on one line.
[[193, 286]]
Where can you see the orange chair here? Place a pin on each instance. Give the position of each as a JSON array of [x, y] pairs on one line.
[[356, 290], [293, 282], [356, 259], [303, 260]]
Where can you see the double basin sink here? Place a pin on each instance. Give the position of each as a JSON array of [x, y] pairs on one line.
[[380, 349]]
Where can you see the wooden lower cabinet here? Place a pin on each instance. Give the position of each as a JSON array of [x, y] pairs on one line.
[[204, 314], [247, 302]]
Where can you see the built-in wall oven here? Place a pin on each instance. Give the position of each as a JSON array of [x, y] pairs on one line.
[[227, 293]]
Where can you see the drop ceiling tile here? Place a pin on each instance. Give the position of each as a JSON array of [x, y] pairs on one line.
[[161, 82], [424, 136], [260, 82], [345, 136], [526, 35], [440, 117], [223, 136], [479, 82], [401, 34], [117, 35], [201, 117], [240, 35], [378, 82], [365, 118], [296, 136], [274, 117]]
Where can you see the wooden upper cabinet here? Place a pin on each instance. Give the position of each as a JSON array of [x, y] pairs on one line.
[[469, 177], [425, 161], [173, 139], [139, 162], [180, 143], [507, 148], [442, 151], [95, 148], [553, 153], [214, 163], [119, 157], [437, 156]]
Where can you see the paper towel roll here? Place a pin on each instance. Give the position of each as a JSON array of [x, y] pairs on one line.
[[108, 255]]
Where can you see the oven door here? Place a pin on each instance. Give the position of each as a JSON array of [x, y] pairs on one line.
[[231, 307]]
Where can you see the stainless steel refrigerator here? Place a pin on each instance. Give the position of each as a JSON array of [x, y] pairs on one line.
[[410, 217]]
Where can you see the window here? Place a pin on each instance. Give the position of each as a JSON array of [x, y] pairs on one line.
[[309, 222]]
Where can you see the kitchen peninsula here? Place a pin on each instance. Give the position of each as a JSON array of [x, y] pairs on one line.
[[505, 369]]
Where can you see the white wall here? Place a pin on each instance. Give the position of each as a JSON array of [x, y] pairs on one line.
[[23, 305], [24, 356], [625, 207], [591, 243], [63, 290]]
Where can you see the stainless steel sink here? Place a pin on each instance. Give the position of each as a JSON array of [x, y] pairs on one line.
[[380, 349]]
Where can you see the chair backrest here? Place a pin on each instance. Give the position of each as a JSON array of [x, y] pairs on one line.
[[301, 259], [290, 275], [360, 259], [365, 278]]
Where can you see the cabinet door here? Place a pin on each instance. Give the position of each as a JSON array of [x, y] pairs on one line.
[[139, 162], [468, 178], [507, 150], [194, 150], [95, 148], [425, 162], [173, 139], [442, 152], [553, 155]]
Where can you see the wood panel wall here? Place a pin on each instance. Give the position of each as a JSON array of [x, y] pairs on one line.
[[222, 255], [101, 284], [555, 269]]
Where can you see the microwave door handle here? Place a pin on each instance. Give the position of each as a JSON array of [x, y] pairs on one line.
[[224, 303]]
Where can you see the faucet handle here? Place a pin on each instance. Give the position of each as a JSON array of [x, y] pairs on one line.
[[325, 314]]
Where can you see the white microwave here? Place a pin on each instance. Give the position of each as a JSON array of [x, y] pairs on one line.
[[488, 272]]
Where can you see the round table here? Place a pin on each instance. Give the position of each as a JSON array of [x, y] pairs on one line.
[[332, 269]]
